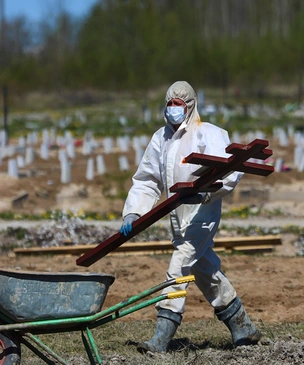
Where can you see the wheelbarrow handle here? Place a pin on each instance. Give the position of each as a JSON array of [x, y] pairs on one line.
[[185, 279], [177, 294]]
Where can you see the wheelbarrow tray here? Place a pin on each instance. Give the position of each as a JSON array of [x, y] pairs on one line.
[[30, 296]]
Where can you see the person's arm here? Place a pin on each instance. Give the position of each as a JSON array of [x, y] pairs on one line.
[[146, 189], [147, 183], [215, 144]]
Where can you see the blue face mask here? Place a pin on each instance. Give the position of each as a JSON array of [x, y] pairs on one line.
[[175, 114]]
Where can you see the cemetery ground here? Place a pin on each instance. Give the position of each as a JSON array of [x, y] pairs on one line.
[[270, 285]]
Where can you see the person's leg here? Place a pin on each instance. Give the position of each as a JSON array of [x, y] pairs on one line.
[[169, 311], [222, 296], [211, 281], [242, 330], [166, 326], [175, 270]]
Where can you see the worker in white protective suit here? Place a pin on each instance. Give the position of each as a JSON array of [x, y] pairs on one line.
[[194, 223]]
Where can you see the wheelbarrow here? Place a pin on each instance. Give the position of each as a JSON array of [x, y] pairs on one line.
[[36, 303]]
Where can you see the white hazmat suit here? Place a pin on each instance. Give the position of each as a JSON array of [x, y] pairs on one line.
[[193, 226]]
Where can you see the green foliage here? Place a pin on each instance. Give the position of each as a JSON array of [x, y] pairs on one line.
[[252, 230], [118, 181], [19, 233], [58, 215], [242, 212], [128, 45]]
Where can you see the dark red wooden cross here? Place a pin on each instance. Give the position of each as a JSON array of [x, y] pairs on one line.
[[213, 169]]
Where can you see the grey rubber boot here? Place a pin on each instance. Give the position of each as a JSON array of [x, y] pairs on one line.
[[242, 330], [166, 326]]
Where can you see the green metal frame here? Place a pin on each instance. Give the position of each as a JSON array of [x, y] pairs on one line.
[[27, 330]]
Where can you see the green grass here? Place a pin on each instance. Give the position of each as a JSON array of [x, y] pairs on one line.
[[199, 342], [120, 178]]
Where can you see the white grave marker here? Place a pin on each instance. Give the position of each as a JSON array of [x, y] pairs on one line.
[[123, 143], [44, 151], [278, 164], [3, 138], [301, 164], [20, 161], [45, 137], [62, 155], [297, 156], [123, 163], [21, 142], [108, 145], [65, 177], [283, 139], [29, 155], [12, 168], [101, 167], [90, 169], [70, 149], [87, 148], [138, 155]]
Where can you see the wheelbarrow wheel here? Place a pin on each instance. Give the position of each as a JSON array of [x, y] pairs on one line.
[[10, 351]]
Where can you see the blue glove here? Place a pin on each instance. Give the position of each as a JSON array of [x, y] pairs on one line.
[[199, 198], [126, 227]]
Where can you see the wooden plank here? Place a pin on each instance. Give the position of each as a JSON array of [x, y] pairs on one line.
[[128, 247], [253, 249], [258, 169], [18, 202], [248, 241], [62, 250], [138, 226], [220, 244], [206, 180], [236, 148]]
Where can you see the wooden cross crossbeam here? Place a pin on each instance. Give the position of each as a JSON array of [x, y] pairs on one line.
[[219, 167], [213, 169]]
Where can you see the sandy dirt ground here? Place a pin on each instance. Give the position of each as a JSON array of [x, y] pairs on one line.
[[41, 181], [271, 287]]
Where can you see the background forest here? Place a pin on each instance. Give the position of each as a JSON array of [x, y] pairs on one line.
[[138, 45]]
